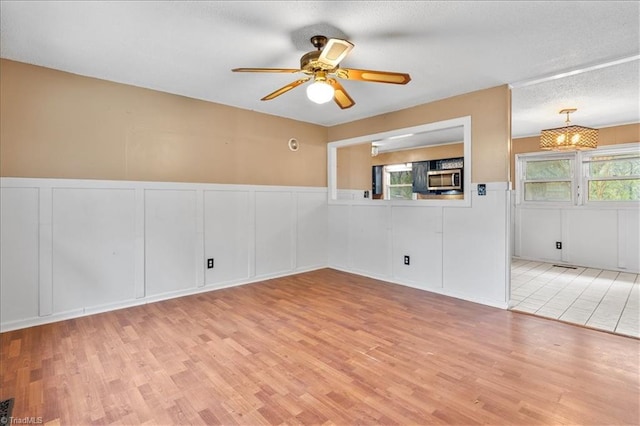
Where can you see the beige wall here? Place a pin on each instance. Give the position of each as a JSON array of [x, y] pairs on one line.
[[59, 125], [606, 136], [420, 154], [353, 167], [490, 111]]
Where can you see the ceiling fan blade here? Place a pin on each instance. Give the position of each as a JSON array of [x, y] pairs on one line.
[[340, 96], [285, 89], [375, 76], [285, 70], [335, 51]]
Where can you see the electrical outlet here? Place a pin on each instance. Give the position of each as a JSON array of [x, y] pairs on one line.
[[407, 260], [559, 245], [209, 263], [366, 194]]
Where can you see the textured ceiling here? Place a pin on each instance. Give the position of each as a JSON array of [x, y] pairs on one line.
[[448, 48]]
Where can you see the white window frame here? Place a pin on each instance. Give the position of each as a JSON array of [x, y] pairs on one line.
[[579, 172], [586, 156], [403, 167], [522, 159]]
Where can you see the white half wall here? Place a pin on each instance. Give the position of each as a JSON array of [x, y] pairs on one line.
[[417, 233], [19, 260], [228, 236], [369, 225], [543, 228], [463, 252], [629, 240], [76, 247], [311, 233], [274, 232], [339, 221], [475, 256], [93, 248], [591, 236], [170, 241]]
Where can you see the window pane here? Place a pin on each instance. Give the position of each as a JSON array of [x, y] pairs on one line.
[[399, 178], [613, 168], [400, 192], [547, 191], [548, 169], [614, 190]]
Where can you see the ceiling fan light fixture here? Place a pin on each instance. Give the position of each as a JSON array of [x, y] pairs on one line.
[[320, 92], [569, 137], [323, 65]]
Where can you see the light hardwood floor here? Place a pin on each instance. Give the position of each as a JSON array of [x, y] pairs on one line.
[[324, 347]]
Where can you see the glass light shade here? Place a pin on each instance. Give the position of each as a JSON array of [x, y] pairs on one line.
[[320, 92], [569, 138]]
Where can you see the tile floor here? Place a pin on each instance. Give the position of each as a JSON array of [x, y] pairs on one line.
[[596, 298]]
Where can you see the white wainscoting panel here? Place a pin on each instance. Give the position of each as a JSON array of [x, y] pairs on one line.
[[369, 240], [76, 247], [462, 252], [512, 229], [311, 243], [93, 247], [228, 231], [170, 241], [590, 237], [540, 228], [275, 214], [139, 279], [351, 194], [45, 253], [338, 256], [475, 249], [19, 246], [629, 241], [417, 232]]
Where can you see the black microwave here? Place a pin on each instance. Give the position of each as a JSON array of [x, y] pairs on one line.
[[444, 180]]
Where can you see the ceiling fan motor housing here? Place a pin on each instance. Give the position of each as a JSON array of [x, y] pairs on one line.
[[310, 63], [318, 41]]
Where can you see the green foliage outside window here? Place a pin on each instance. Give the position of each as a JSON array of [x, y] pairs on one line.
[[401, 178], [547, 191], [604, 187], [614, 190], [548, 169], [614, 167], [548, 180], [400, 192], [608, 176], [400, 185]]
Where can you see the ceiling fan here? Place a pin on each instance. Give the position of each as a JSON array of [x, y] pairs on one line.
[[322, 65]]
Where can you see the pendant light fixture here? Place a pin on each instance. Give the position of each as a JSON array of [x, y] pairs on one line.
[[569, 137]]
